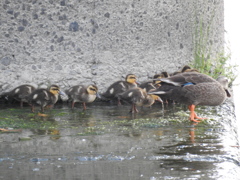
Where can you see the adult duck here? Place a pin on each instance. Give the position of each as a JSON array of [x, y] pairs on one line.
[[193, 88]]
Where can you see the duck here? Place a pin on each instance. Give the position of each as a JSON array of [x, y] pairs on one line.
[[147, 86], [20, 93], [119, 87], [185, 68], [81, 93], [156, 78], [157, 83], [138, 97], [154, 83], [44, 97], [194, 88]]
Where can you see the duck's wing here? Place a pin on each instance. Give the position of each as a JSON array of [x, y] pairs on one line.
[[188, 77]]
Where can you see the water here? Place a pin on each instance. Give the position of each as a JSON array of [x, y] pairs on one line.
[[106, 142]]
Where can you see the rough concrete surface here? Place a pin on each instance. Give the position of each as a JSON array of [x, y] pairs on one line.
[[70, 42]]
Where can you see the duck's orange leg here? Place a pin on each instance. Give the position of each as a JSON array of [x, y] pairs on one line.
[[73, 103], [134, 109], [32, 108], [84, 106], [193, 115]]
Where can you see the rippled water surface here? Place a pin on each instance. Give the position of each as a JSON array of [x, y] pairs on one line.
[[106, 142]]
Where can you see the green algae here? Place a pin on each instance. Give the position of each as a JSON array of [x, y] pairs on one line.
[[89, 122], [20, 119]]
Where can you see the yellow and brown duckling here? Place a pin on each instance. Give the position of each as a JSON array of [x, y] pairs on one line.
[[138, 97], [120, 87], [157, 82], [44, 97], [83, 94], [147, 86], [185, 68], [20, 93], [157, 77]]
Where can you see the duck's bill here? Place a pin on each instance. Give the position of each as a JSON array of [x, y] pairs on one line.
[[63, 95], [98, 96], [228, 93], [157, 92]]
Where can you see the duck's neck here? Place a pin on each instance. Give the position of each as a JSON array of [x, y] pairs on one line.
[[55, 99]]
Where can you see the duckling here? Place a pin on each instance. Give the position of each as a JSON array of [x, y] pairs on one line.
[[20, 93], [153, 84], [191, 70], [156, 82], [44, 97], [147, 86], [185, 68], [120, 87], [138, 97], [84, 94]]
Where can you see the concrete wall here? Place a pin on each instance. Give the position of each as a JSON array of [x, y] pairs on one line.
[[68, 42]]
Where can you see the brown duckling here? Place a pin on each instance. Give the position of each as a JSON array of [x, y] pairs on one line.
[[147, 86], [157, 77], [20, 93], [153, 84], [120, 87], [84, 94], [138, 97], [44, 97], [192, 88], [157, 83], [185, 68]]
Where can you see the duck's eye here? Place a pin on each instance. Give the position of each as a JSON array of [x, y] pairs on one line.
[[55, 89], [92, 89]]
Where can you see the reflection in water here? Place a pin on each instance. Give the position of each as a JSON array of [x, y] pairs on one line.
[[105, 142]]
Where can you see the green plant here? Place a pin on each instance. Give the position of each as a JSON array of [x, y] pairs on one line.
[[203, 60]]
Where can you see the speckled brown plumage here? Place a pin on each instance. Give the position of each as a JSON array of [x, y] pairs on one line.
[[147, 86], [83, 94], [119, 87], [44, 97], [20, 93], [138, 97]]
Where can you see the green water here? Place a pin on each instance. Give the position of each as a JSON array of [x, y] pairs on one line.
[[107, 142]]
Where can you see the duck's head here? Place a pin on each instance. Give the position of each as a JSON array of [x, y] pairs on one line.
[[185, 68], [191, 70], [131, 78], [157, 82], [54, 89], [224, 82], [92, 89], [165, 74], [155, 79]]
